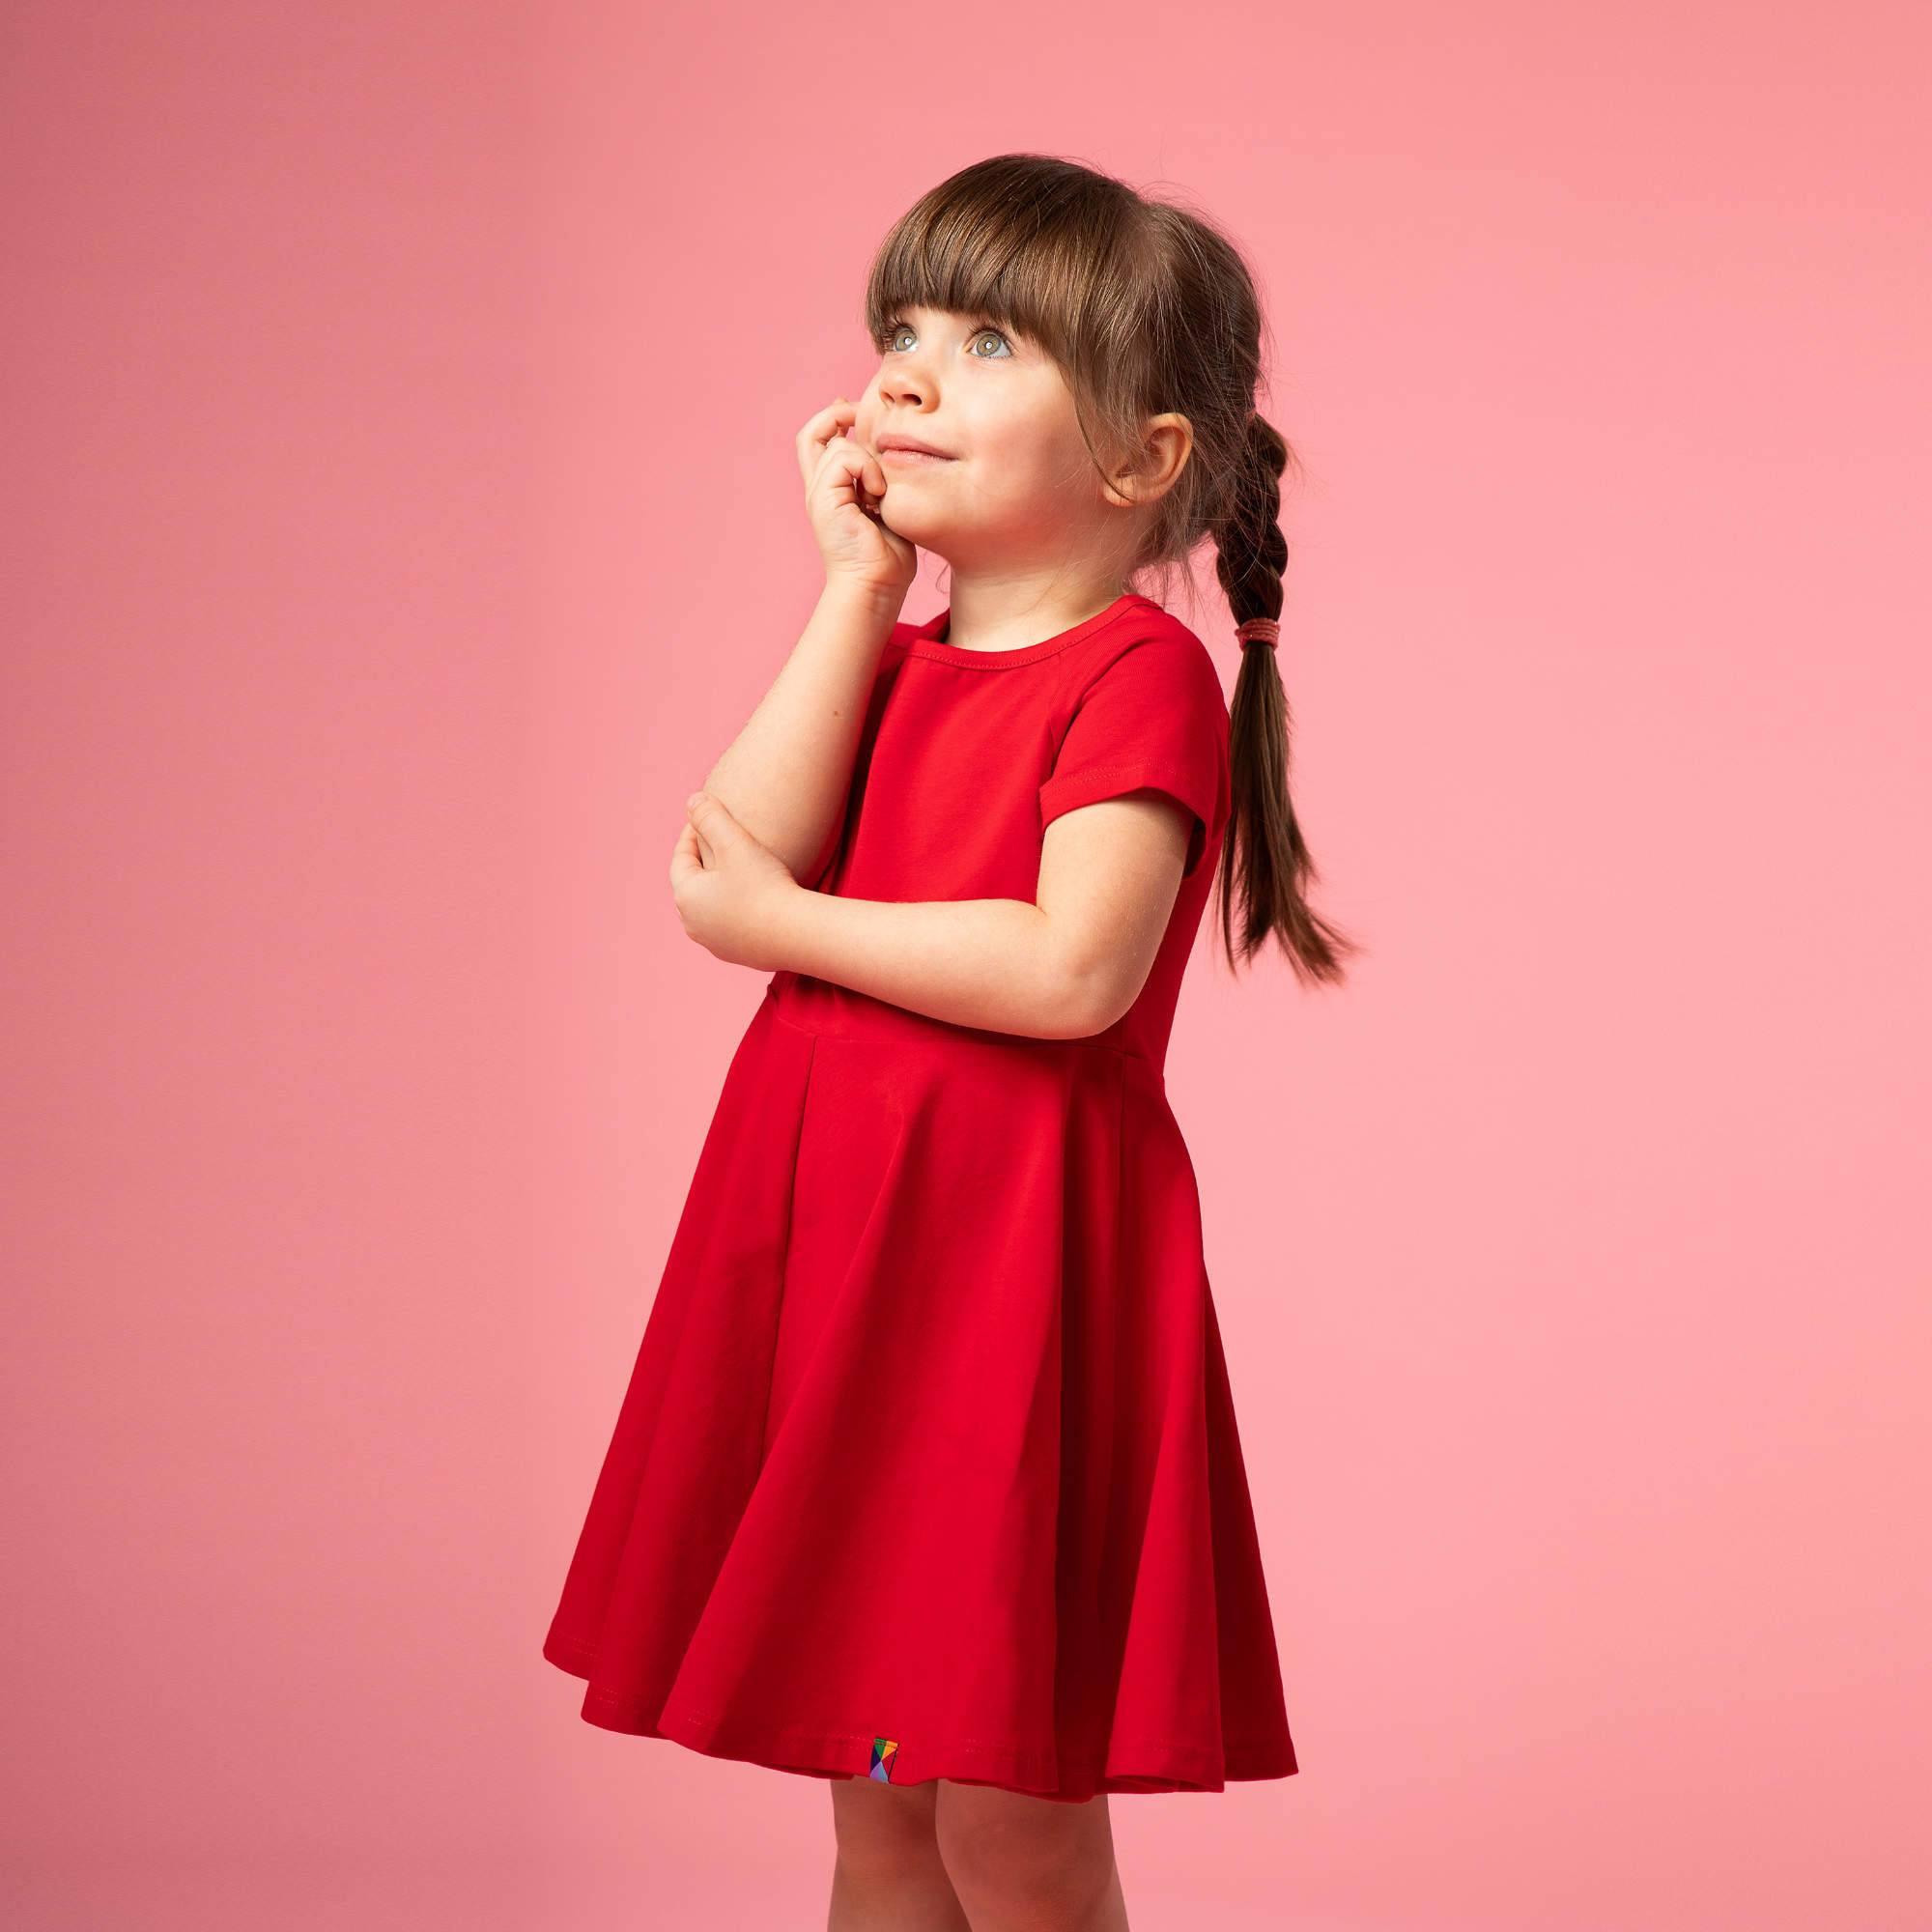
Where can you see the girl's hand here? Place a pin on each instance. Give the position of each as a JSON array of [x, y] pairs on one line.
[[844, 497], [729, 889]]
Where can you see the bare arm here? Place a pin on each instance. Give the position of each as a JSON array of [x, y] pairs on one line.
[[786, 776], [1068, 965]]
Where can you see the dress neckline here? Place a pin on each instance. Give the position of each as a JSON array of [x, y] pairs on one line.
[[926, 642]]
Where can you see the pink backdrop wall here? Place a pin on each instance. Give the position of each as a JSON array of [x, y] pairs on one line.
[[400, 514]]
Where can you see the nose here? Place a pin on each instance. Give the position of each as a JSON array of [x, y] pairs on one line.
[[905, 381]]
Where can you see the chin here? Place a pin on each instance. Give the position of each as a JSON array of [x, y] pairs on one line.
[[917, 527]]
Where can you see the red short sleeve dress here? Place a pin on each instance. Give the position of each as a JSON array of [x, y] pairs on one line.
[[927, 1466]]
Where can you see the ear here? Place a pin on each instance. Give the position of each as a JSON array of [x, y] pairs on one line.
[[1167, 440]]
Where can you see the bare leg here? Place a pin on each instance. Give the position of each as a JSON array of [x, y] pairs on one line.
[[889, 1877], [1029, 1865]]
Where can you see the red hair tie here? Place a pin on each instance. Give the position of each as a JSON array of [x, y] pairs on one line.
[[1267, 629]]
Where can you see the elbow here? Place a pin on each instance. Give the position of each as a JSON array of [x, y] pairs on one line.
[[1089, 1000]]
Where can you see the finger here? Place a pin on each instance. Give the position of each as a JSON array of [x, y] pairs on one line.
[[818, 429], [841, 468], [684, 860], [840, 450], [702, 844], [819, 424]]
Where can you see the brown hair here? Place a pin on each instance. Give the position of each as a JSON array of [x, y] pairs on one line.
[[1145, 307]]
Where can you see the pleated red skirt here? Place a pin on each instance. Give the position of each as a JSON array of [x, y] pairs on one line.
[[929, 1465]]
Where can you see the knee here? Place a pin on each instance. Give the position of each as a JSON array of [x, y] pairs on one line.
[[1026, 1859]]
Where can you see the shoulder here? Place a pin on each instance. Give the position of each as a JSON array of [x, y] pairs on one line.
[[1143, 710], [1153, 654]]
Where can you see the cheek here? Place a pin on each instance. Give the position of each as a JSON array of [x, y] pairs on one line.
[[1008, 437], [1035, 463]]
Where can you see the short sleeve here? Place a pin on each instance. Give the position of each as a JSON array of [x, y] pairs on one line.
[[1153, 718]]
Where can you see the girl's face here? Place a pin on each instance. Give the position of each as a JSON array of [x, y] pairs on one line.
[[1017, 487]]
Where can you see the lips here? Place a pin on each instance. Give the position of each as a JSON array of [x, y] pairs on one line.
[[911, 446]]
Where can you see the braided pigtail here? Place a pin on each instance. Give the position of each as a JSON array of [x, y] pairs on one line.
[[1264, 860]]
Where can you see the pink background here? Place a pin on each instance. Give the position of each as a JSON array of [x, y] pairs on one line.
[[401, 515]]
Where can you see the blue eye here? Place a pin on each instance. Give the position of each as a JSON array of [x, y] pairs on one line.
[[893, 330]]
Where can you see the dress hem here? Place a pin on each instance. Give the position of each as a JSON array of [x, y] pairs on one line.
[[832, 1754]]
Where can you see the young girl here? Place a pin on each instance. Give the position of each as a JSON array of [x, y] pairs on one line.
[[926, 1480]]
